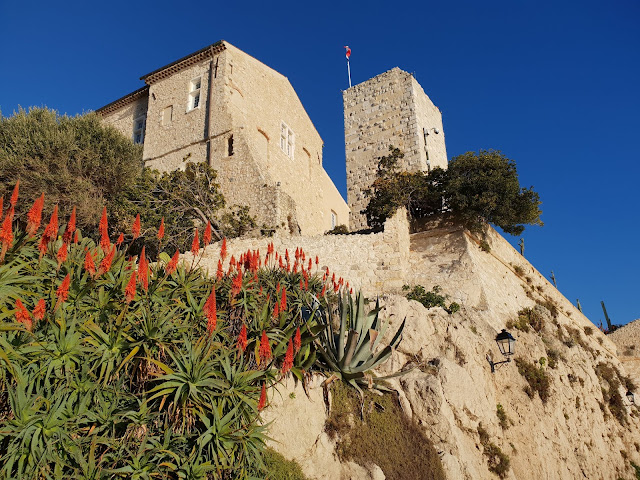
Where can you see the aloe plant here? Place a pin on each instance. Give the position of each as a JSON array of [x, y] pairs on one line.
[[353, 351]]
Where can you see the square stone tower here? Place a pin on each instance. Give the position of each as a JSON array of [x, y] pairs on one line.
[[389, 109]]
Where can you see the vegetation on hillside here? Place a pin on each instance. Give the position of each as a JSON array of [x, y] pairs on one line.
[[79, 161], [112, 367], [476, 188]]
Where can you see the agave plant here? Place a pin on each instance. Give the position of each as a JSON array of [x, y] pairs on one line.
[[352, 352]]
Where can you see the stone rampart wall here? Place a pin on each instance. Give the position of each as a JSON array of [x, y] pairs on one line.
[[374, 263]]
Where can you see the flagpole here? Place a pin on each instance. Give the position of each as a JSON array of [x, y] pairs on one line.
[[349, 71]]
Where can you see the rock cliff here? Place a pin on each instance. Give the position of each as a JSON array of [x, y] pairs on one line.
[[558, 411]]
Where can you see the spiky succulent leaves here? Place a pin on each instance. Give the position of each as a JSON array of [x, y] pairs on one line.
[[353, 358]]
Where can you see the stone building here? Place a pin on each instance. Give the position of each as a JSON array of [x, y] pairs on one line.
[[389, 109], [221, 105]]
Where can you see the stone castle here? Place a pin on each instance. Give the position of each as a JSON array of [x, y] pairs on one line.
[[223, 106]]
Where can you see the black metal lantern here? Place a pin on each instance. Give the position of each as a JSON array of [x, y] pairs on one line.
[[506, 344], [630, 397]]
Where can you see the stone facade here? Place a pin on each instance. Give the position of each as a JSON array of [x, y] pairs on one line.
[[248, 124], [389, 109]]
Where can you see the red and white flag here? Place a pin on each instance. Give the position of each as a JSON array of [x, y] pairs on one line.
[[348, 52]]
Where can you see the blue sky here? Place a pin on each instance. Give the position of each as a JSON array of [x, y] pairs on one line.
[[553, 85]]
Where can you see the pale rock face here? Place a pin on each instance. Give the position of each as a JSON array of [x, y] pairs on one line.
[[452, 390], [627, 341]]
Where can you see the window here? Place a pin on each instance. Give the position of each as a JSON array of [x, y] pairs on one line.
[[334, 219], [167, 115], [194, 94], [138, 130], [287, 140]]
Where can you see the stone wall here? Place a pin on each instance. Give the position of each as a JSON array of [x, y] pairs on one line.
[[389, 109], [374, 263]]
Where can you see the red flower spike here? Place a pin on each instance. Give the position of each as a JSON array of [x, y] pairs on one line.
[[288, 359], [351, 291], [297, 341], [23, 316], [135, 230], [14, 195], [71, 227], [63, 290], [333, 278], [211, 312], [324, 291], [195, 245], [263, 398], [242, 339], [51, 230], [130, 290], [276, 310], [75, 237], [105, 243], [310, 264], [143, 270], [301, 285], [317, 261], [105, 264], [283, 300], [223, 249], [34, 217], [286, 255], [62, 254], [39, 311], [236, 285], [264, 352], [206, 237], [161, 230], [6, 234], [173, 263], [120, 239], [219, 272], [89, 264]]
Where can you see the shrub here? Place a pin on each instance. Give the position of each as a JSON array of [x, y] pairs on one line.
[[430, 299], [382, 434], [112, 366], [610, 391], [338, 230], [476, 188], [499, 462], [502, 416], [279, 468], [537, 379]]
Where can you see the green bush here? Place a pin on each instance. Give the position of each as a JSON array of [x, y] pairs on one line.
[[430, 299], [382, 434], [536, 377], [499, 462], [476, 188], [279, 468], [503, 419], [112, 367]]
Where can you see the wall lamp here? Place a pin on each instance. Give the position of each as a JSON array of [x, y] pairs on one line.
[[506, 344]]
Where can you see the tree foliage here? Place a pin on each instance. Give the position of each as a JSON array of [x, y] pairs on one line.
[[73, 160], [83, 162], [476, 188], [184, 198]]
